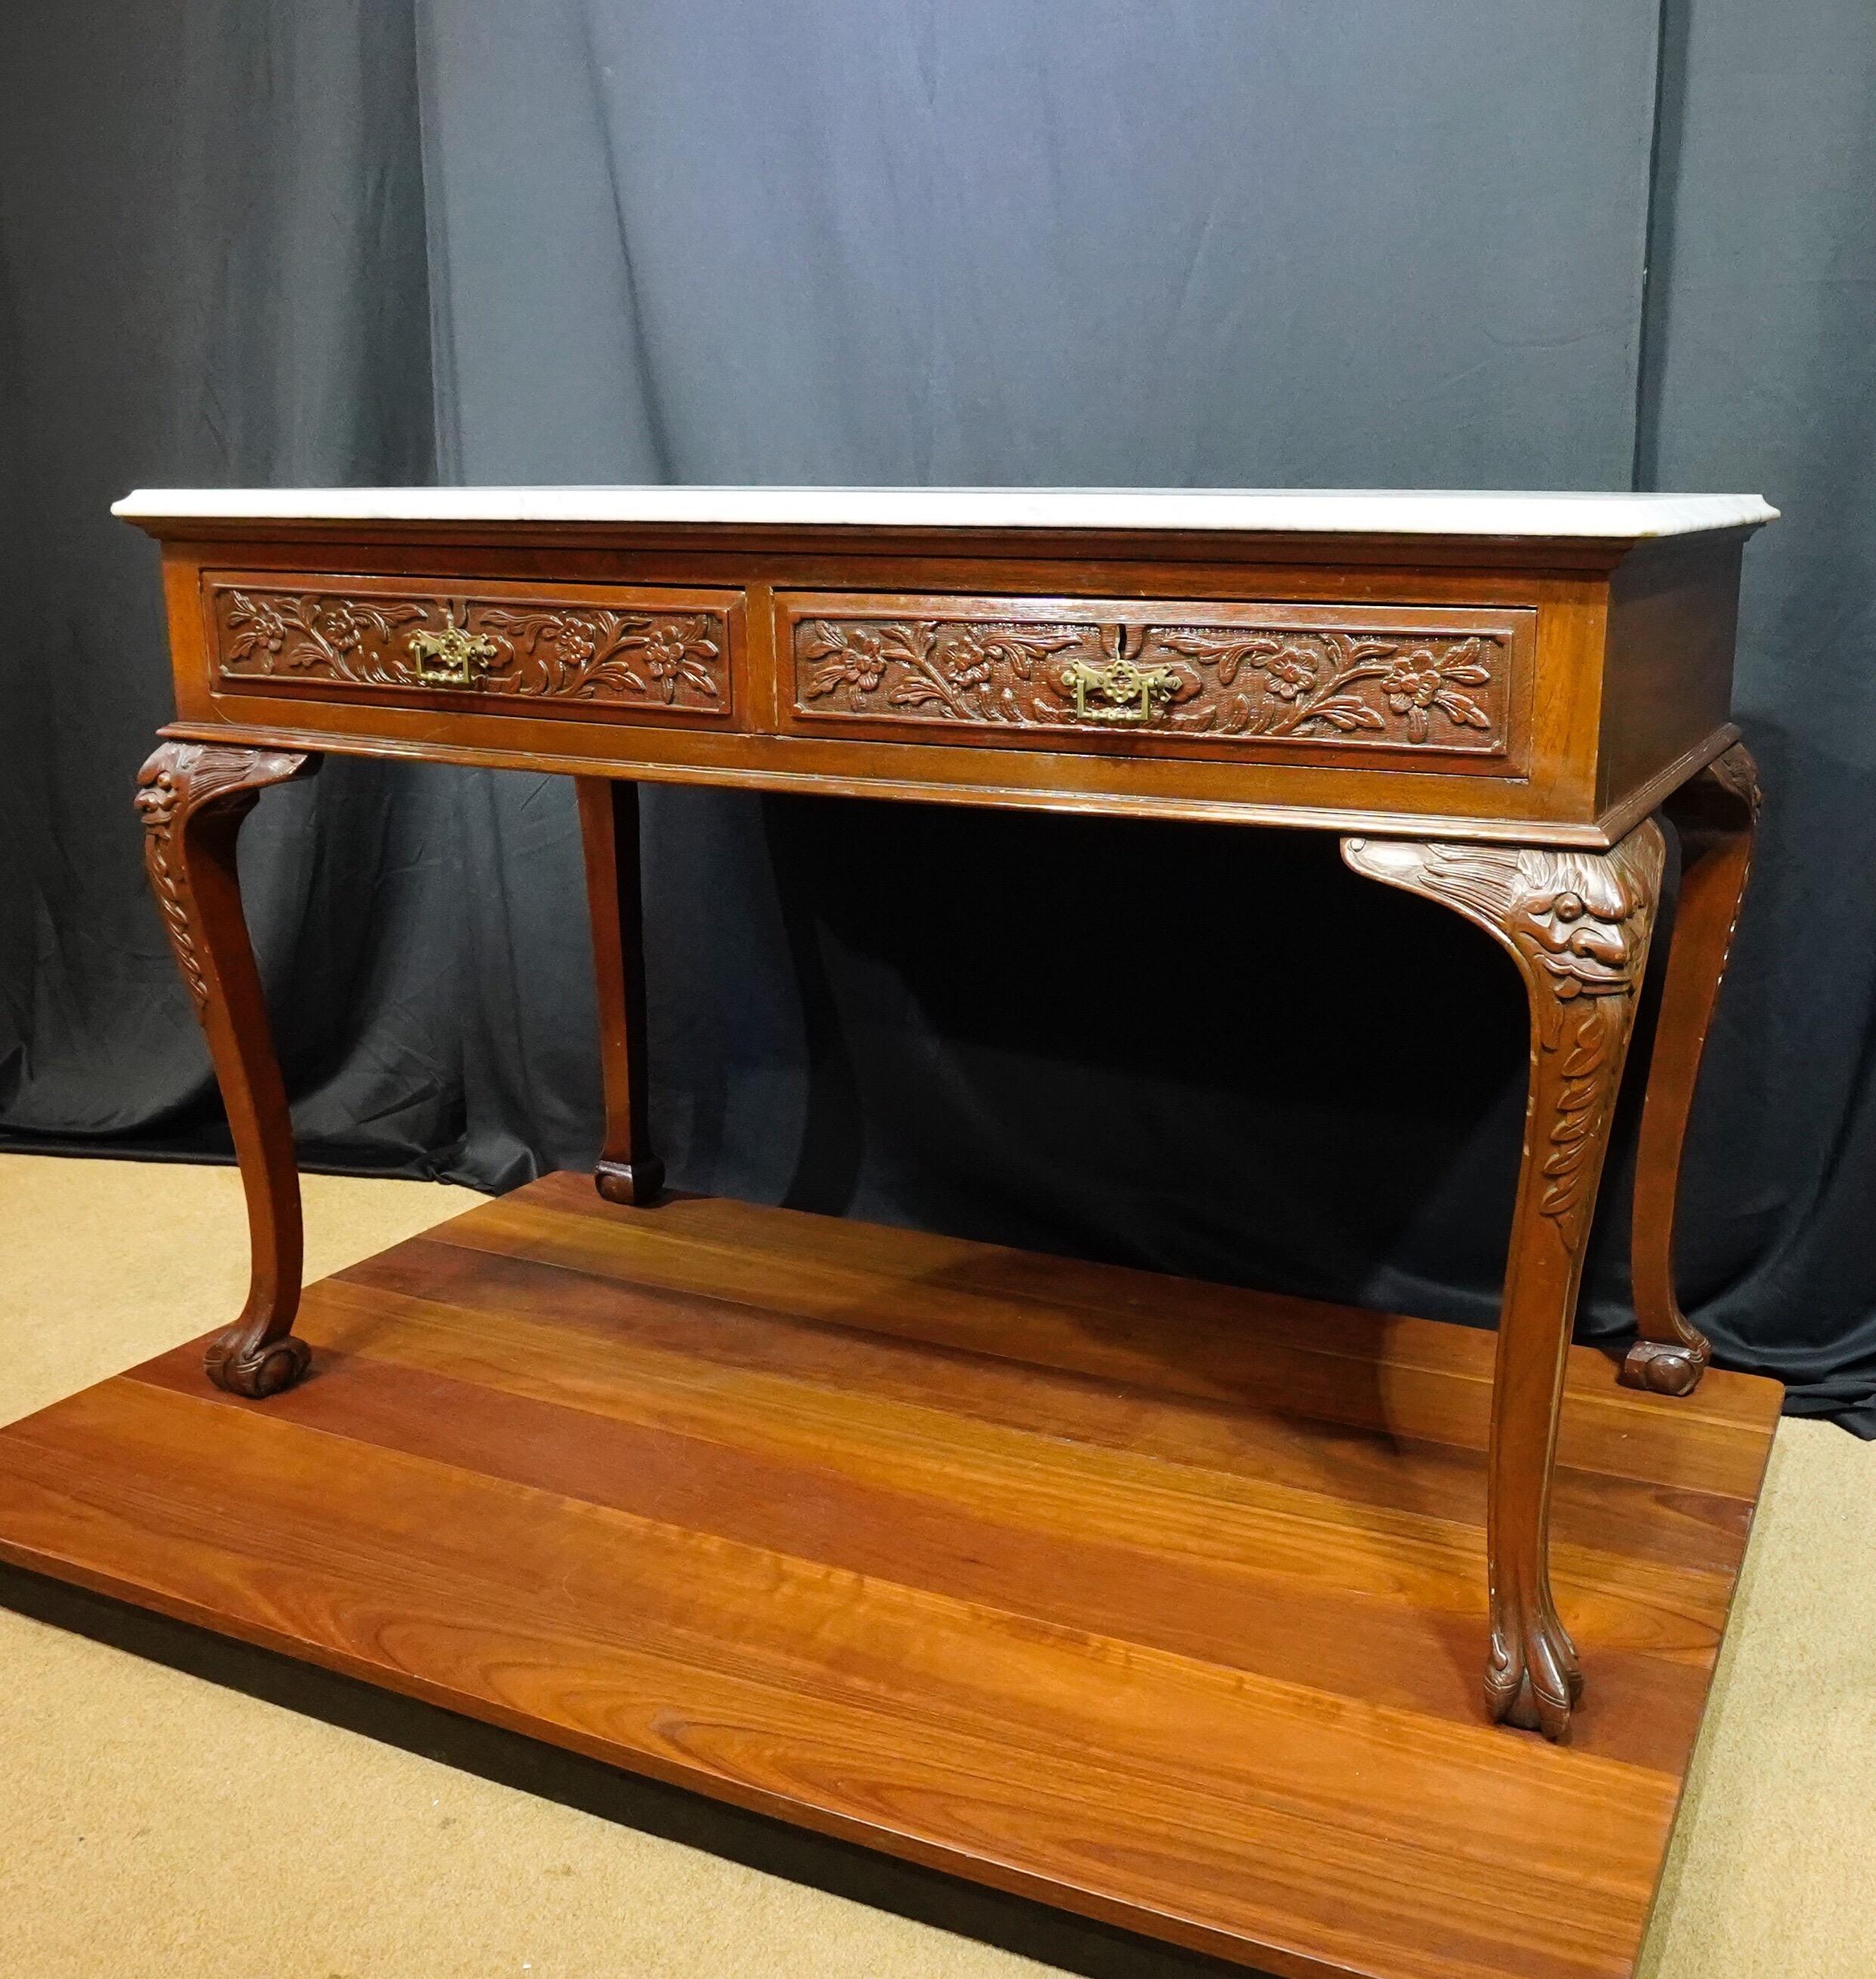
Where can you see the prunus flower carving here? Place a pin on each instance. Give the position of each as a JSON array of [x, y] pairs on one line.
[[1278, 684], [580, 652]]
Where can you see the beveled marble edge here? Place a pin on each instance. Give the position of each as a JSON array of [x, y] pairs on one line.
[[1302, 511]]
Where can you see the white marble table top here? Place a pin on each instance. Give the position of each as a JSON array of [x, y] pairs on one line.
[[1365, 512]]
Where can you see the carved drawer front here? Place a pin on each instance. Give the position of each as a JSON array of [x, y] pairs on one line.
[[1315, 682], [608, 651]]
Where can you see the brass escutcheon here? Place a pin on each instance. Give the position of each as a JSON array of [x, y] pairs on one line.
[[1123, 690], [452, 657]]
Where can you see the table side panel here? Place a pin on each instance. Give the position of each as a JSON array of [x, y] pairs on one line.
[[1674, 611]]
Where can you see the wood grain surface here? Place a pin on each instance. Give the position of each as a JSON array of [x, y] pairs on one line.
[[1606, 673], [1160, 1601]]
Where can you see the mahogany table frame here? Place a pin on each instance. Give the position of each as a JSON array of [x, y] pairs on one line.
[[1612, 714]]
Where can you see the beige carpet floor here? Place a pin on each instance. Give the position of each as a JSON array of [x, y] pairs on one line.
[[154, 1822]]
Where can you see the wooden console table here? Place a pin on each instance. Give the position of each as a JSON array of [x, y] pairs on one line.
[[1490, 698]]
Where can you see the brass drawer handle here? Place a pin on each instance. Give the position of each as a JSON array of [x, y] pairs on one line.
[[1123, 690], [452, 657]]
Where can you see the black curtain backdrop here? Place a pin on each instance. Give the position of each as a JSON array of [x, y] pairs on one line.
[[1544, 244]]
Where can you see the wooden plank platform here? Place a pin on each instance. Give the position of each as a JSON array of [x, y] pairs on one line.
[[1160, 1601]]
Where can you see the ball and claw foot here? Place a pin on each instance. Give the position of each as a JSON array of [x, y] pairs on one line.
[[256, 1370], [636, 1184], [1534, 1683], [1663, 1368]]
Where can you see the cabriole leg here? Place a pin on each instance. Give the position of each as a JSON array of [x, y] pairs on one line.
[[193, 797], [1716, 815], [628, 1171], [1577, 925]]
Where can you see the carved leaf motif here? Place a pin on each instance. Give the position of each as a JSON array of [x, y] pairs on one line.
[[1579, 924], [527, 629], [859, 655], [181, 779], [823, 680], [1299, 684], [1019, 647], [1465, 663], [1462, 709], [581, 652], [1223, 651], [1347, 711], [1575, 1115]]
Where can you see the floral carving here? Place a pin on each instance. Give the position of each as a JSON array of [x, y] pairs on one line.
[[596, 652], [156, 800], [581, 653], [1418, 689], [943, 666], [1289, 678], [339, 638], [1416, 684]]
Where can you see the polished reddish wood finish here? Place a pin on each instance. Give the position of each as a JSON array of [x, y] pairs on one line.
[[1158, 1600], [193, 798], [1716, 818], [648, 654], [1487, 722], [1578, 926], [1321, 684], [628, 1171], [1599, 617]]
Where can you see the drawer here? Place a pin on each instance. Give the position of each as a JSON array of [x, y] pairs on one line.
[[1228, 681], [615, 653]]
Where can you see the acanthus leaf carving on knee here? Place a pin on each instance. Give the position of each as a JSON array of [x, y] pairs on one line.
[[1578, 924], [192, 797], [179, 781]]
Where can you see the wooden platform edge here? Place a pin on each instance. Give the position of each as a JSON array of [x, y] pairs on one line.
[[1173, 1929], [1749, 1414]]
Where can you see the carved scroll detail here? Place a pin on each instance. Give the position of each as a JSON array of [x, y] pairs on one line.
[[671, 659], [179, 779], [1578, 925], [1736, 774], [255, 1367], [192, 797], [1415, 689]]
